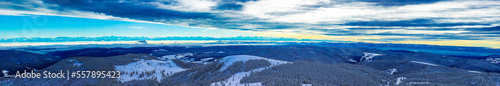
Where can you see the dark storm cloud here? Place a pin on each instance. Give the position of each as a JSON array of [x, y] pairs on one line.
[[134, 10], [488, 30], [231, 4]]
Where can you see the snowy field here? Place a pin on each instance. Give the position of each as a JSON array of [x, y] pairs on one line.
[[147, 69]]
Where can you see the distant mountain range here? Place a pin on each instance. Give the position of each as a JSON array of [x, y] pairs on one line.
[[124, 38], [458, 51]]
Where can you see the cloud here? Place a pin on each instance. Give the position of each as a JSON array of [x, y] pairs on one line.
[[476, 43], [387, 19], [489, 30], [138, 28], [229, 6], [270, 8], [404, 31], [186, 5], [400, 2], [412, 23], [343, 12]]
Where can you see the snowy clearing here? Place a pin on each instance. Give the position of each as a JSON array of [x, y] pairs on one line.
[[147, 69], [399, 80], [368, 56], [78, 64], [392, 71], [473, 71], [352, 60], [221, 52], [493, 60], [175, 56], [203, 61], [424, 63], [307, 85]]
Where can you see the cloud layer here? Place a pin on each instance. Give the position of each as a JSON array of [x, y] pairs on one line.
[[391, 20]]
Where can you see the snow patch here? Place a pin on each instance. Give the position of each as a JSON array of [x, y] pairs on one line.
[[159, 50], [208, 52], [392, 71], [399, 80], [78, 64], [417, 83], [307, 85], [424, 63], [352, 60], [206, 59], [368, 56], [147, 69], [175, 56], [221, 52], [493, 60], [188, 60], [473, 71], [203, 61]]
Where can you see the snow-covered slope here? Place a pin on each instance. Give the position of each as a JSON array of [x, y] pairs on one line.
[[175, 56], [235, 79], [229, 60], [204, 60], [147, 69]]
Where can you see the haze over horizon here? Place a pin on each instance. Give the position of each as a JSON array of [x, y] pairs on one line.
[[436, 22]]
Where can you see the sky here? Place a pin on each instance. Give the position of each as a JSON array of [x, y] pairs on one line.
[[436, 22], [60, 26]]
